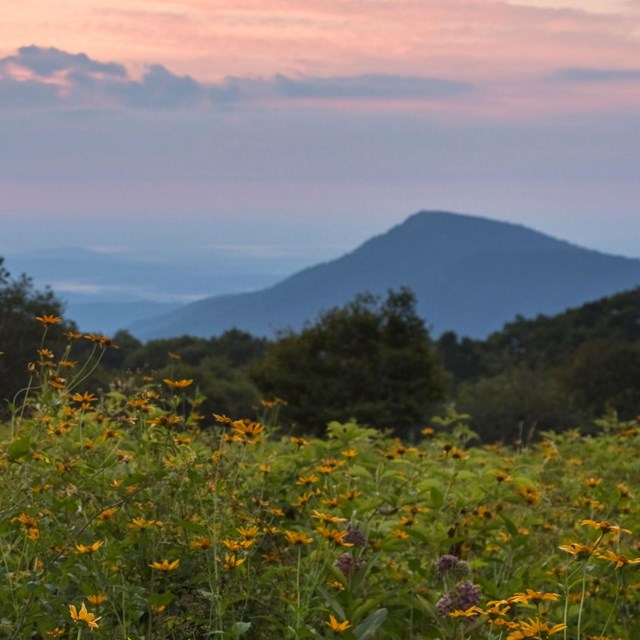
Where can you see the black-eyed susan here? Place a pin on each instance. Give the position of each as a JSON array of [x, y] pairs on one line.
[[89, 549], [202, 543], [177, 384], [231, 561], [605, 526], [335, 536], [249, 532], [84, 616], [618, 559], [165, 565], [531, 596], [580, 551], [48, 320], [337, 627], [325, 517], [534, 628], [297, 539]]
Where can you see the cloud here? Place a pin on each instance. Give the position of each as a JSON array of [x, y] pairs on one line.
[[585, 74], [369, 87], [48, 77], [45, 62]]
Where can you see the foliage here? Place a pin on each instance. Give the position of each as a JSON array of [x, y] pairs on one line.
[[121, 517], [20, 336], [549, 372], [370, 360]]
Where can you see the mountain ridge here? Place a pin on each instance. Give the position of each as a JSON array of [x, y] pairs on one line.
[[470, 275]]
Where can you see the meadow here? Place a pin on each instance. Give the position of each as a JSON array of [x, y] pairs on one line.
[[129, 514]]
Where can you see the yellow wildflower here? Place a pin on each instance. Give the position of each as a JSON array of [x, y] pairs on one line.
[[92, 548], [297, 538], [165, 565], [337, 627], [83, 616], [177, 384]]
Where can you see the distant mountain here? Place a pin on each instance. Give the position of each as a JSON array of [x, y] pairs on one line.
[[104, 292], [470, 275]]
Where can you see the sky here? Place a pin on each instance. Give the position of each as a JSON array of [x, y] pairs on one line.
[[286, 132]]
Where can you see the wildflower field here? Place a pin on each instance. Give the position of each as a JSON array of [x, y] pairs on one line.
[[128, 514]]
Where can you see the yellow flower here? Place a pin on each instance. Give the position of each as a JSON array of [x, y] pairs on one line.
[[33, 533], [534, 629], [325, 517], [84, 399], [232, 561], [619, 560], [349, 453], [92, 548], [165, 565], [84, 616], [250, 532], [297, 538], [237, 545], [47, 320], [97, 599], [335, 536], [202, 543], [141, 523], [471, 612], [580, 551], [177, 384], [533, 596], [26, 520], [605, 526], [399, 533], [337, 627], [101, 341]]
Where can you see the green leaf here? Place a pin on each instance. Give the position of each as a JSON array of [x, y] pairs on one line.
[[332, 602], [511, 527], [437, 498], [162, 598], [19, 448], [370, 625], [239, 628]]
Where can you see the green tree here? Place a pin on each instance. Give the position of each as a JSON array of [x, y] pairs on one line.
[[20, 332], [370, 360]]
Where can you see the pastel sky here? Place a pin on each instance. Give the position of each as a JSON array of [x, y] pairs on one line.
[[294, 129]]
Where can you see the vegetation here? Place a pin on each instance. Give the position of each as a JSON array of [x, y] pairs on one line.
[[550, 372], [132, 507], [129, 514], [370, 360], [20, 336]]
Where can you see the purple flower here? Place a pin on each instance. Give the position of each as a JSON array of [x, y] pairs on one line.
[[463, 596], [348, 565], [449, 565], [355, 537]]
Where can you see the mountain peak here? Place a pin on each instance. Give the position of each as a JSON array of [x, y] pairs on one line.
[[469, 274]]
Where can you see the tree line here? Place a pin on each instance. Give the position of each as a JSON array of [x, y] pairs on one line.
[[372, 360]]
